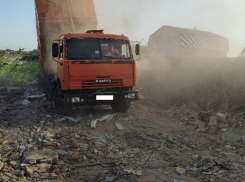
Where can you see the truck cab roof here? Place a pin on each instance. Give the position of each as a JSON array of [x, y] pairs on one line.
[[93, 34]]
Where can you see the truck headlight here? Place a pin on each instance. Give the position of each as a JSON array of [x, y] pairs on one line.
[[130, 96], [75, 99]]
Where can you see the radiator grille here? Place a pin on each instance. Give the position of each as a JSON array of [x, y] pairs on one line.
[[92, 84]]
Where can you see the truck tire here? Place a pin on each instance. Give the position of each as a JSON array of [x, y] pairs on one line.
[[120, 106], [60, 105], [50, 90], [41, 83]]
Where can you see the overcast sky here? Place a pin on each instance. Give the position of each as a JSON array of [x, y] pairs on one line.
[[136, 18]]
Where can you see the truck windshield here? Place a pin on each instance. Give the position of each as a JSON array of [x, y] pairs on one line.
[[88, 48]]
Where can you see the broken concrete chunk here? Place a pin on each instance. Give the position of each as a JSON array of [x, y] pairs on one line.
[[39, 129], [212, 125], [77, 136], [119, 126], [73, 119], [48, 135], [180, 170], [30, 140], [195, 157], [1, 165], [32, 161], [53, 175], [24, 165], [201, 126], [41, 154], [35, 175], [107, 117], [234, 157], [5, 142], [230, 138], [74, 142], [221, 115], [12, 163], [93, 123], [135, 172], [5, 178], [228, 147], [44, 166], [19, 173], [28, 171], [237, 121], [44, 175]]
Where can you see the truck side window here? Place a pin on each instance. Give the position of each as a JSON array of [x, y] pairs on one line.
[[125, 51]]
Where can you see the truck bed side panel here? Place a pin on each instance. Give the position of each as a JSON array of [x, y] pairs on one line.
[[53, 19]]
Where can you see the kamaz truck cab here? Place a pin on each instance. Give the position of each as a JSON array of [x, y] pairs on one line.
[[93, 69]]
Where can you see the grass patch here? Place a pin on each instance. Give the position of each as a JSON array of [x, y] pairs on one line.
[[29, 58], [16, 73]]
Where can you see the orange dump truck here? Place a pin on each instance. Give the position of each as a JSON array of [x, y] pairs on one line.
[[89, 68]]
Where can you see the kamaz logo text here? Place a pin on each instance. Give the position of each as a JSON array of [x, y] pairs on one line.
[[103, 81]]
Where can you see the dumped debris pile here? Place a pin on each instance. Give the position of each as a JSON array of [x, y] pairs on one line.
[[213, 123], [145, 144], [40, 154], [45, 151]]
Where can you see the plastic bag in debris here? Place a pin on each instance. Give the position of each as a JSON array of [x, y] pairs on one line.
[[36, 96], [26, 102], [34, 82], [107, 117]]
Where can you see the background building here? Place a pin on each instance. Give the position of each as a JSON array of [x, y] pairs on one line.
[[179, 42], [35, 51], [2, 51], [242, 54]]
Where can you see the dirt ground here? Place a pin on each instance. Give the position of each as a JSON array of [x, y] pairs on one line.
[[179, 144]]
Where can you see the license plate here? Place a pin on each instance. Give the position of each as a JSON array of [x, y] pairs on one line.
[[104, 97]]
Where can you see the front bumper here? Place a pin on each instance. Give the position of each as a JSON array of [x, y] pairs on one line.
[[91, 98]]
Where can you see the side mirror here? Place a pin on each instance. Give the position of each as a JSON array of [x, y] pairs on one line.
[[55, 50], [137, 49]]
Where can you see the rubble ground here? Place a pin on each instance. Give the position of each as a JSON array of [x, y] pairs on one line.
[[145, 144]]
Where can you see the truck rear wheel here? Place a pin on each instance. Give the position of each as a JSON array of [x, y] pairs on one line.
[[60, 104], [120, 106], [50, 90]]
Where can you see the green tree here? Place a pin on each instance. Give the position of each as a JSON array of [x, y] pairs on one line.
[[20, 50]]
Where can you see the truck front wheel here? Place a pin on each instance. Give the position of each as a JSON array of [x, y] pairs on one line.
[[120, 106], [60, 104]]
